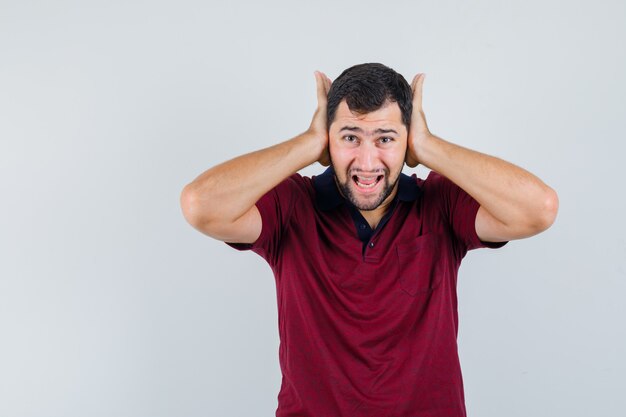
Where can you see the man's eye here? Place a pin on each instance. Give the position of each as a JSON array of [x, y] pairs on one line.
[[386, 139], [350, 138]]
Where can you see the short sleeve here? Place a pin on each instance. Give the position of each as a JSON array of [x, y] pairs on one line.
[[275, 207], [460, 210]]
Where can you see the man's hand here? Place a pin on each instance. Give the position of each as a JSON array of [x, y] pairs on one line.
[[513, 202], [418, 131], [221, 202], [319, 124]]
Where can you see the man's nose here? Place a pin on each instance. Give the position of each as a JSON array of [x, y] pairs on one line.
[[367, 157]]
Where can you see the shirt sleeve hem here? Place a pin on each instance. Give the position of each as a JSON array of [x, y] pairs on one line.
[[264, 230], [481, 243]]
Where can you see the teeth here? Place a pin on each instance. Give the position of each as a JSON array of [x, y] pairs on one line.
[[366, 185], [370, 182]]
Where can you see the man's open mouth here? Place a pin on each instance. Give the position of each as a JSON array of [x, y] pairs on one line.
[[366, 182]]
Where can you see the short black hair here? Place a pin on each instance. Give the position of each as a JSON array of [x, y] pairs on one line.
[[367, 87]]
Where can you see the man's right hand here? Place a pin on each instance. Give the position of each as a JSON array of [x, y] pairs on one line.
[[319, 124], [221, 202]]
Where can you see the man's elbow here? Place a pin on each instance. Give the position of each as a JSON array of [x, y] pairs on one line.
[[207, 218], [548, 211], [189, 205]]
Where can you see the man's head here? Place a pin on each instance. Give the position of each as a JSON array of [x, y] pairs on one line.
[[366, 87], [369, 114]]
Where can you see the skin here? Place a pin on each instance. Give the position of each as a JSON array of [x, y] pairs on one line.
[[513, 202], [371, 146], [220, 202]]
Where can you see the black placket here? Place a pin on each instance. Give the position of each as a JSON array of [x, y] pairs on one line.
[[363, 229]]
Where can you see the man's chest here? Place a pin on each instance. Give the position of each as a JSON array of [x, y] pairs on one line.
[[403, 258]]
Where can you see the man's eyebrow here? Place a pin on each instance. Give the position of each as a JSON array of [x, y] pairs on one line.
[[359, 130], [385, 131]]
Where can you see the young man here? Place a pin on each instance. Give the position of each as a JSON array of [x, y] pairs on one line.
[[365, 257]]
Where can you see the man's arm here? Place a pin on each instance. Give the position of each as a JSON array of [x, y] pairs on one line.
[[514, 203], [221, 201]]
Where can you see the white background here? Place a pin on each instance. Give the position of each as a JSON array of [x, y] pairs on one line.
[[112, 305]]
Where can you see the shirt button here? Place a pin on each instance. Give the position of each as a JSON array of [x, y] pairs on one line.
[[371, 244], [362, 226]]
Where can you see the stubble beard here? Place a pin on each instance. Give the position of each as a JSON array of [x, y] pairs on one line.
[[347, 191]]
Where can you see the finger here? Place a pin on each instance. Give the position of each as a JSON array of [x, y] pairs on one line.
[[321, 88], [328, 83], [416, 86]]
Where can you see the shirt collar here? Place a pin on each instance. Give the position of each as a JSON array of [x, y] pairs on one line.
[[327, 195]]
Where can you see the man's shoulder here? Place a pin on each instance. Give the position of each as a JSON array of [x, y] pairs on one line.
[[433, 178], [435, 182], [295, 186], [435, 189], [299, 180]]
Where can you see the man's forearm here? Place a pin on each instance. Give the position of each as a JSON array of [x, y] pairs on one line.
[[227, 191], [509, 193]]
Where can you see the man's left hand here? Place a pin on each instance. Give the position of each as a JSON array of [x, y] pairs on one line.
[[418, 131]]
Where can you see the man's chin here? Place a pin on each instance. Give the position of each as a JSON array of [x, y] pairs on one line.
[[367, 208], [369, 203]]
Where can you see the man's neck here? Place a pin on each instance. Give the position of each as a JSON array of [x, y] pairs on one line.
[[373, 217]]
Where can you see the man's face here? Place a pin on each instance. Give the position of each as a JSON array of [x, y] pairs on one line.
[[367, 152]]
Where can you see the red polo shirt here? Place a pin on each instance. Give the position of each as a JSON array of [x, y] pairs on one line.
[[367, 318]]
